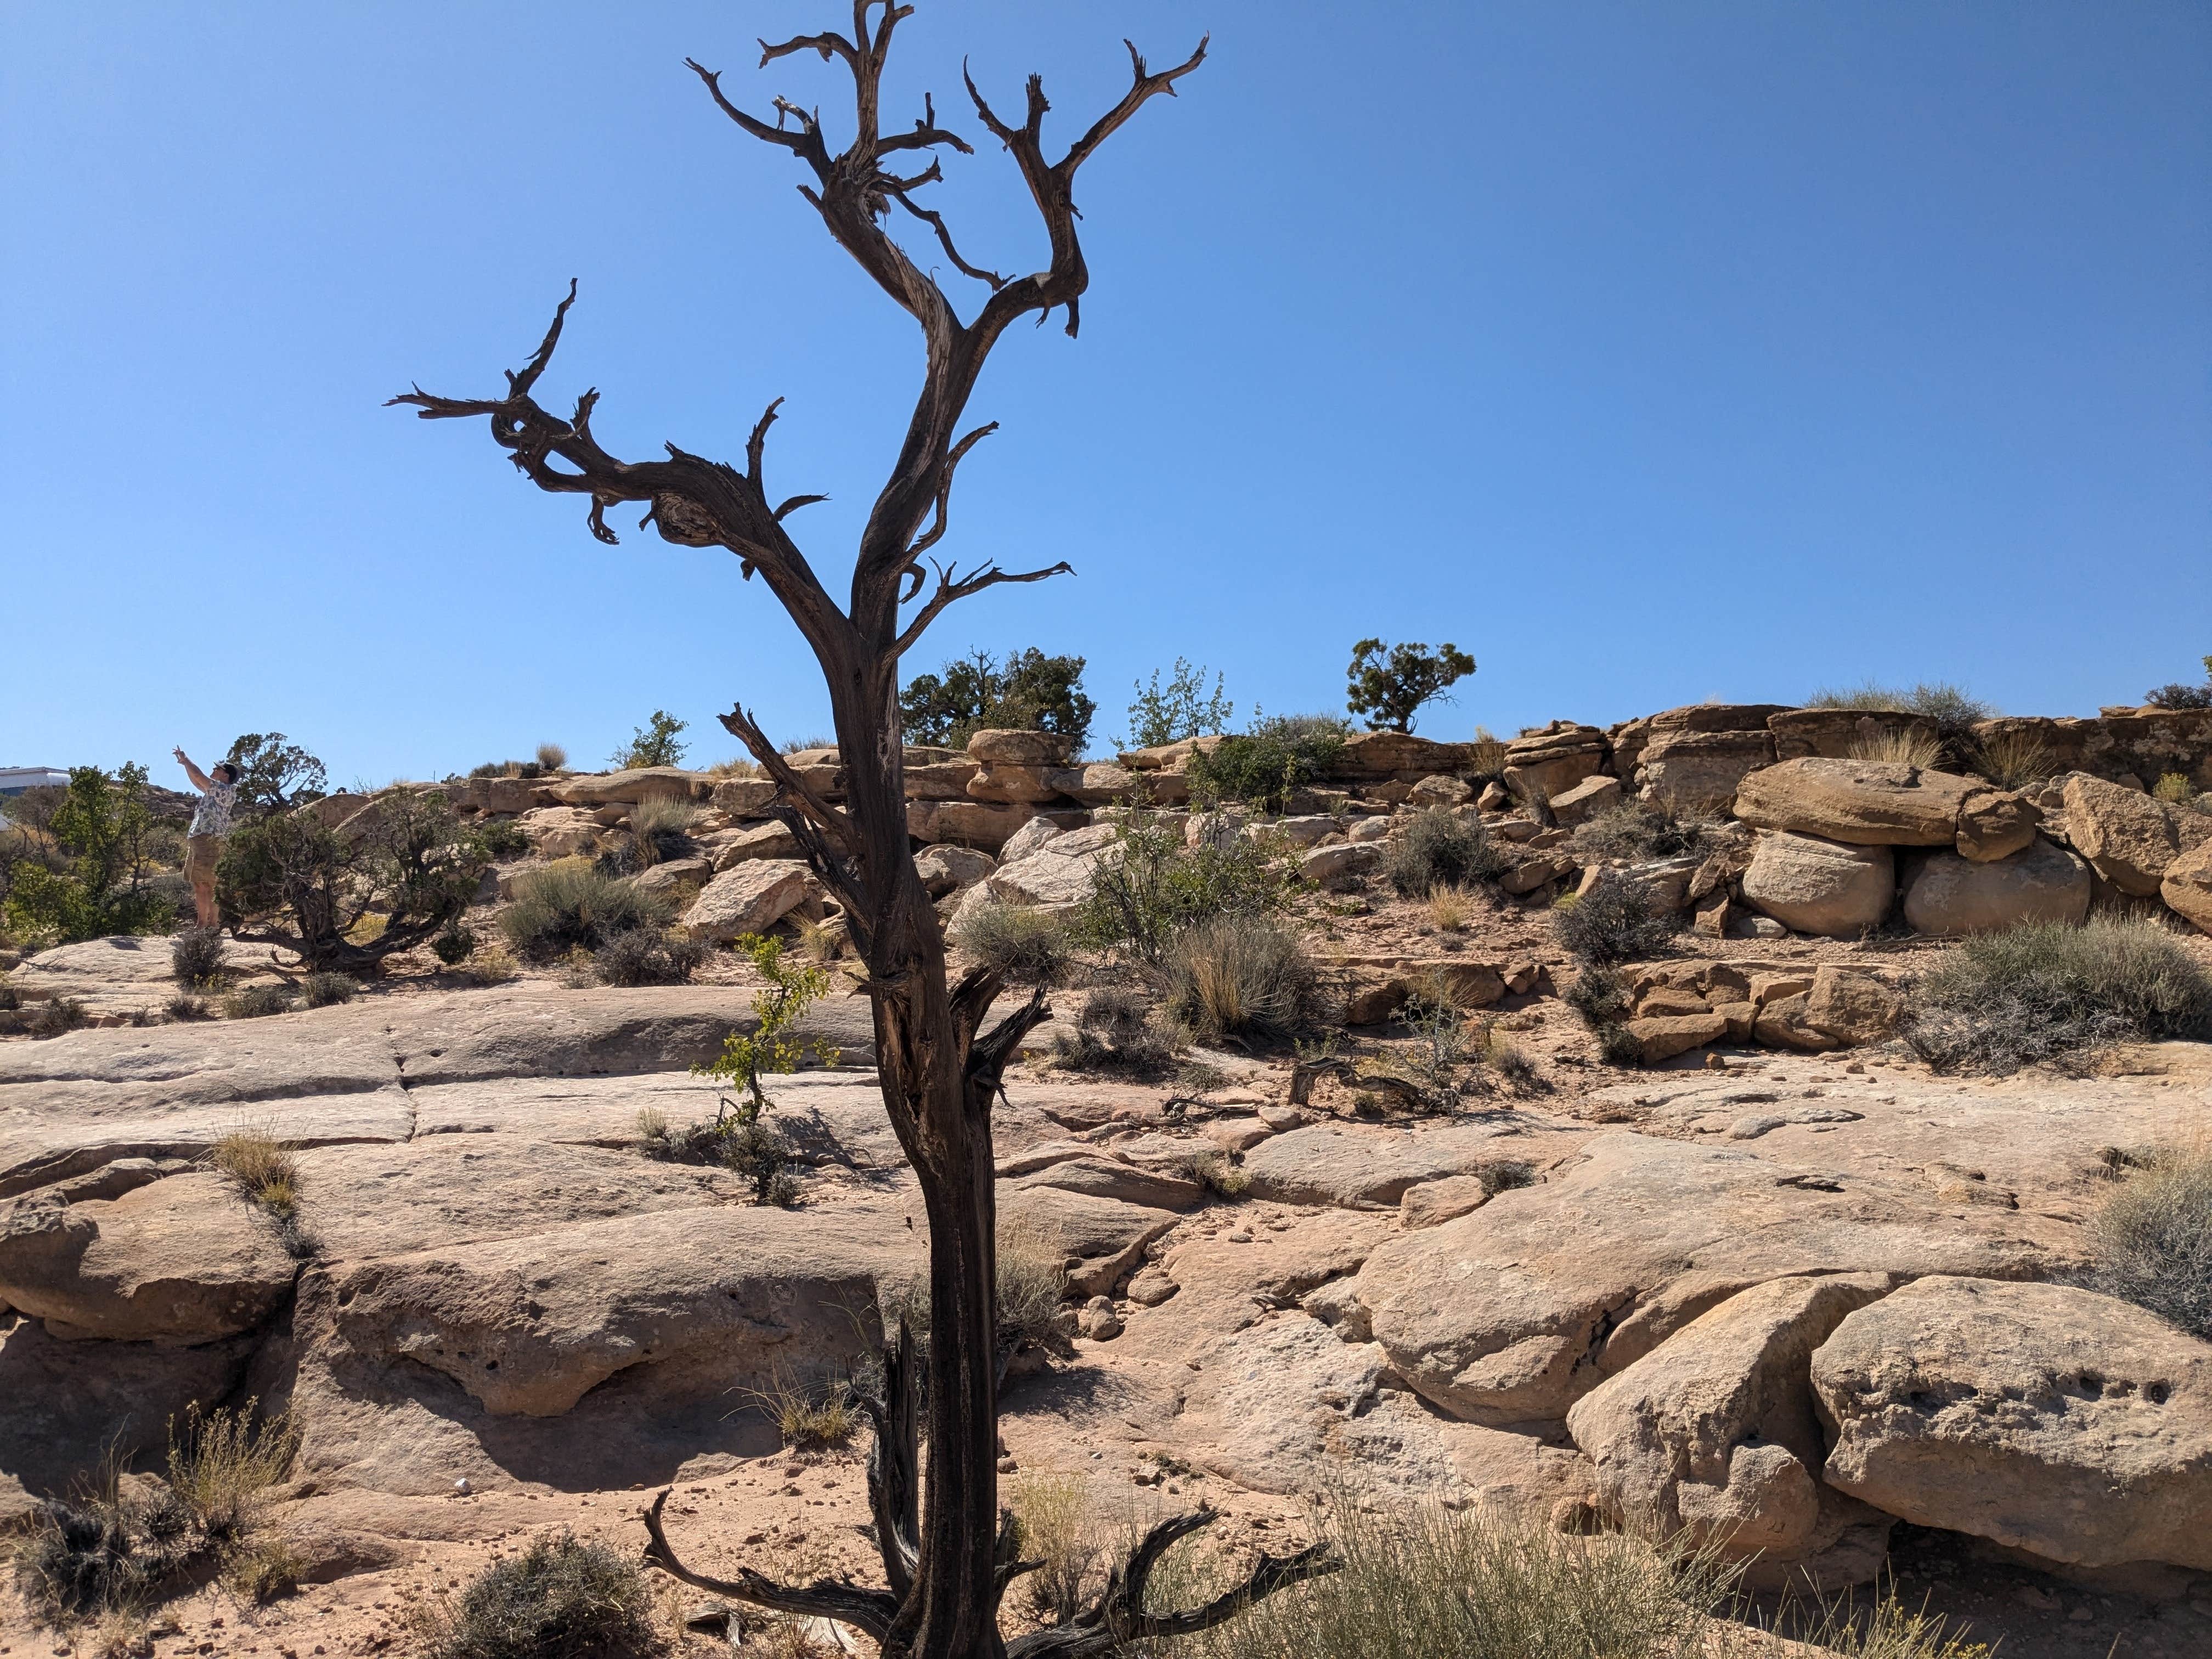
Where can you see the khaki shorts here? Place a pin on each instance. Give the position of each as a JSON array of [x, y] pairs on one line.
[[201, 853]]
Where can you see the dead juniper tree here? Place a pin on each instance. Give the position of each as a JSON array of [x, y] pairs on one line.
[[947, 1556]]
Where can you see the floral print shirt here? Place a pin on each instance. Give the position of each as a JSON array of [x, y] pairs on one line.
[[212, 818]]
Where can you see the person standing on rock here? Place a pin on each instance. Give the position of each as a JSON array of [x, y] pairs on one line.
[[210, 823]]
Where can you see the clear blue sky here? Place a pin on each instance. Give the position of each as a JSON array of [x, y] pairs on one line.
[[1649, 352]]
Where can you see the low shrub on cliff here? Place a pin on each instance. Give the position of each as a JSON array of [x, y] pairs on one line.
[[1241, 976], [2003, 1000], [559, 1599], [648, 956], [569, 904], [2153, 1237], [1439, 849], [1026, 947], [1635, 830], [1153, 885], [1616, 921], [1262, 767]]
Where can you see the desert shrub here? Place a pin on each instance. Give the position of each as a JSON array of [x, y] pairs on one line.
[[1635, 830], [559, 1599], [1032, 1282], [1152, 885], [811, 1417], [257, 1002], [1028, 692], [404, 867], [493, 965], [1598, 996], [1024, 945], [261, 1168], [262, 1569], [1503, 1175], [772, 1049], [1999, 1001], [568, 904], [196, 956], [1509, 1061], [1211, 1169], [1183, 710], [1264, 766], [102, 1553], [1438, 848], [97, 852], [224, 1463], [503, 839], [1947, 708], [2183, 696], [736, 1140], [2013, 759], [184, 1005], [1239, 976], [654, 743], [1055, 1523], [1423, 1583], [552, 756], [2152, 1237], [1615, 920], [1114, 1032], [324, 989], [2173, 789], [274, 774], [649, 955], [1907, 745], [1388, 683], [455, 944], [55, 1016], [661, 828]]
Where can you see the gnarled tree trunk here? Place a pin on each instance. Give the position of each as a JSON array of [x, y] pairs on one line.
[[946, 1568]]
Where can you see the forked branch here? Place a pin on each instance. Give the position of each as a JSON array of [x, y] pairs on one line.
[[952, 587]]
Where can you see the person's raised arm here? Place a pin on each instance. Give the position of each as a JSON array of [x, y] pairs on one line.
[[201, 781]]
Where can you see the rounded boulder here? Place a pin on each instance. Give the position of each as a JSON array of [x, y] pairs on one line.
[[1814, 886], [1951, 894]]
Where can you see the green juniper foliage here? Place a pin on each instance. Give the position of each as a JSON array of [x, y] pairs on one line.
[[773, 1049], [2178, 696], [1388, 683], [1028, 692], [1155, 885], [1263, 767], [653, 744], [275, 775]]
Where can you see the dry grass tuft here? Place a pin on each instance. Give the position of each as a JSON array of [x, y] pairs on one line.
[[1055, 1523], [1911, 745], [1212, 1170], [493, 965], [1451, 907], [1241, 976], [2014, 760], [2153, 1235], [257, 1162]]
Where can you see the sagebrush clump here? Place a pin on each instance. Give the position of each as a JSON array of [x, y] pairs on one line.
[[1615, 920], [1026, 947], [1635, 830], [195, 957], [649, 955], [1155, 884], [2152, 1237], [569, 904], [2002, 1000], [1439, 849], [559, 1599]]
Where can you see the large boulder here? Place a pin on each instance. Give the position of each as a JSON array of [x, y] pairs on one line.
[[1951, 894], [743, 798], [1886, 803], [1713, 1433], [1061, 873], [772, 840], [997, 748], [1103, 1238], [1814, 886], [2187, 887], [530, 1324], [747, 898], [182, 1261], [2045, 1418], [948, 869], [1692, 769], [985, 824], [1552, 762], [1021, 785], [1513, 1313], [2129, 838], [629, 787], [1351, 1170]]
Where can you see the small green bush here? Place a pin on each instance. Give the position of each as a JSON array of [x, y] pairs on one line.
[[1025, 946], [96, 856], [257, 1002], [55, 1016], [2153, 1238], [2173, 789], [648, 956], [195, 957], [570, 904], [322, 990], [1240, 976], [654, 743], [503, 839], [1183, 710], [1615, 920], [1265, 766], [1439, 849], [558, 1599], [454, 944], [1115, 1033], [1999, 1001], [736, 1140], [1153, 885], [2178, 696]]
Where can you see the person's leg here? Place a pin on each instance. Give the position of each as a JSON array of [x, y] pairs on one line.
[[199, 870]]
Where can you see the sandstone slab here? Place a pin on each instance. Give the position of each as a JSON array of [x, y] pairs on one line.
[[1061, 873], [1861, 802], [2042, 1416], [1352, 1168], [2129, 838], [631, 786], [748, 899]]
